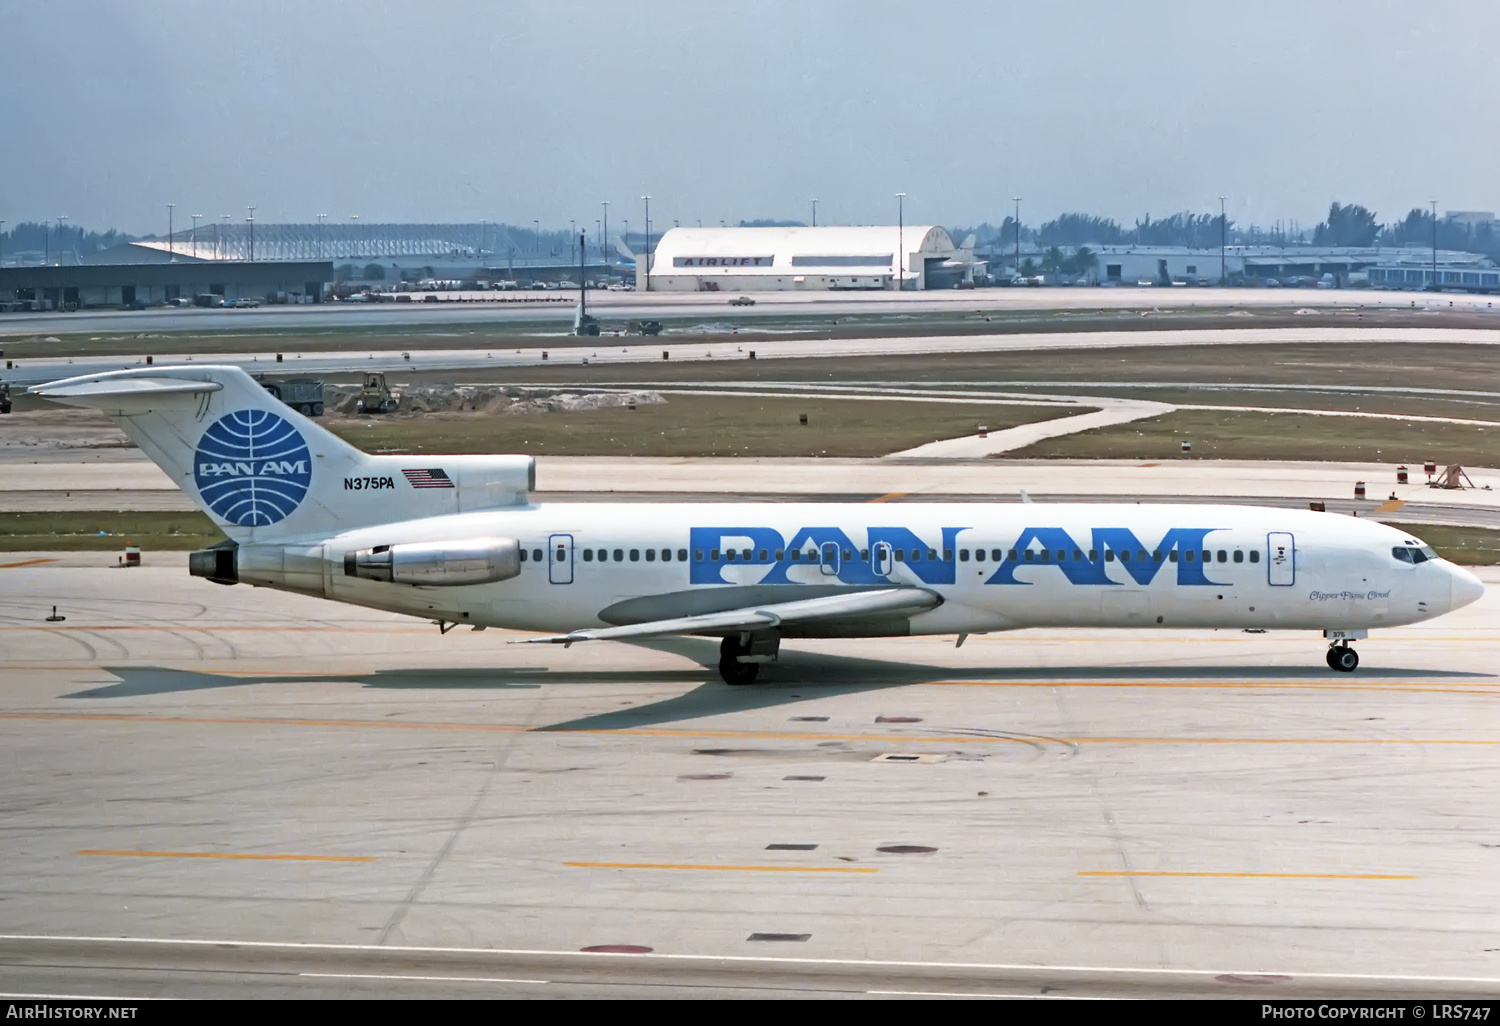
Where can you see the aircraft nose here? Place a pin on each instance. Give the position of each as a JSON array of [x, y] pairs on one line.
[[1464, 587]]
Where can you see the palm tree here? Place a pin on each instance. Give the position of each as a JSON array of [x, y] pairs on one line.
[[1085, 261]]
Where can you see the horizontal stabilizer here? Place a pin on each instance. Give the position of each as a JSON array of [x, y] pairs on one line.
[[84, 389], [849, 606]]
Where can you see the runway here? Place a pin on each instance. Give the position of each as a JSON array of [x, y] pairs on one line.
[[320, 800], [546, 308], [627, 350]]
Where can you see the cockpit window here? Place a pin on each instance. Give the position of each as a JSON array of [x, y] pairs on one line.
[[1414, 553], [1402, 553]]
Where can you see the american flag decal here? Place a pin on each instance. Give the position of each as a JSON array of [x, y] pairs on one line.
[[428, 478]]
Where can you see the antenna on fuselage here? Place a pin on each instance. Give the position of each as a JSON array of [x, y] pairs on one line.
[[1025, 497]]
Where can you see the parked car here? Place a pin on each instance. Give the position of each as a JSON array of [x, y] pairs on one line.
[[742, 301]]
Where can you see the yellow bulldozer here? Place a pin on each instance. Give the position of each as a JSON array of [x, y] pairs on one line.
[[375, 396]]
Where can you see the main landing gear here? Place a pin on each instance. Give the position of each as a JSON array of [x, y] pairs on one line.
[[740, 655], [1342, 657]]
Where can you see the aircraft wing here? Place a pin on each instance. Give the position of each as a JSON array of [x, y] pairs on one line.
[[763, 617]]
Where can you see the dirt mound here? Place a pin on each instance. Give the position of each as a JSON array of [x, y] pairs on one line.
[[502, 400]]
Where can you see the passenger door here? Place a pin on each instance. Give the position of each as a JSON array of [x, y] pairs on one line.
[[560, 559], [828, 560], [883, 563], [1281, 559]]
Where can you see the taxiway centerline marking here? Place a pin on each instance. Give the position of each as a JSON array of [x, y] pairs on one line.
[[25, 562], [889, 497], [224, 855], [1248, 876], [749, 734], [438, 979], [733, 869]]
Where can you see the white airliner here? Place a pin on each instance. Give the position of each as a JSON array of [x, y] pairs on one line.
[[458, 540]]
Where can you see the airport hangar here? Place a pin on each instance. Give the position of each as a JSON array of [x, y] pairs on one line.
[[812, 259], [154, 283]]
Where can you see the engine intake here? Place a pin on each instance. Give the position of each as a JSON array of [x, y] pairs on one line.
[[439, 564]]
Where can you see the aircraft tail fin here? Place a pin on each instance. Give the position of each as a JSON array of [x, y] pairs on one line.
[[265, 472]]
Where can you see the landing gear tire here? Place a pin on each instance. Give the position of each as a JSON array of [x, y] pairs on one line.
[[730, 668], [1342, 658]]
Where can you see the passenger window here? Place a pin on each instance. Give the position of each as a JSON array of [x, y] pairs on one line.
[[780, 555], [1208, 557], [848, 554], [1223, 556], [1239, 556], [1190, 555], [1062, 555], [1156, 556], [697, 555], [932, 555], [1078, 555], [1093, 555], [995, 554], [947, 555], [979, 555], [1254, 556], [1402, 554], [1030, 555], [963, 555], [746, 554], [864, 554], [666, 555], [536, 555], [635, 555], [796, 555], [900, 555], [762, 555], [731, 555], [1046, 555], [916, 555], [562, 555], [588, 555], [1013, 555], [523, 555], [1109, 555], [1125, 556], [713, 555], [651, 555], [1140, 554], [1171, 555]]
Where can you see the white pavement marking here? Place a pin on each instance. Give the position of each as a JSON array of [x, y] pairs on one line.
[[439, 979], [974, 447]]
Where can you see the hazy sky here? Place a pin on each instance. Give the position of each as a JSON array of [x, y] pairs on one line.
[[458, 110]]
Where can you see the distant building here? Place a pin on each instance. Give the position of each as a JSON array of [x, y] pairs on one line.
[[131, 285], [1340, 266], [815, 259]]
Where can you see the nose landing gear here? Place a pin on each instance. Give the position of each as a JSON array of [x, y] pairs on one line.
[[1342, 657]]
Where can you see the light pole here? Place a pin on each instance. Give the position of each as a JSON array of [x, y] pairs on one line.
[[170, 257], [647, 256], [605, 236], [900, 240], [1223, 239], [224, 218], [2, 243], [815, 213], [572, 234], [1017, 201], [193, 238], [1434, 245], [251, 222], [536, 230], [63, 217], [322, 243]]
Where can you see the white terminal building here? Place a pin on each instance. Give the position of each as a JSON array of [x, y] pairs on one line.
[[872, 257]]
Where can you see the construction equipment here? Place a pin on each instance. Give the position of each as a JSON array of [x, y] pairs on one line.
[[4, 398], [584, 323], [305, 395], [1453, 477], [376, 396]]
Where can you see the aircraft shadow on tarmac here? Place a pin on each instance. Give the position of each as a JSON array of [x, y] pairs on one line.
[[803, 675]]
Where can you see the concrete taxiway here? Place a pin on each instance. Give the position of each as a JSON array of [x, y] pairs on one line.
[[219, 791]]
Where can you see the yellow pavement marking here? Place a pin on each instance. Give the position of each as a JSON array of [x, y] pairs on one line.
[[1254, 876], [25, 562], [734, 869], [1390, 505], [743, 734], [225, 855], [890, 497]]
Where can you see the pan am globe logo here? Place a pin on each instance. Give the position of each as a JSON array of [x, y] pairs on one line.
[[252, 468]]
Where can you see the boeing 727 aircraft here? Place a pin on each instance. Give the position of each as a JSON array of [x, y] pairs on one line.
[[459, 540]]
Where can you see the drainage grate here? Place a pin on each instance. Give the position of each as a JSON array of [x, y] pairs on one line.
[[618, 949], [906, 849], [809, 719], [779, 936], [907, 757], [898, 719], [804, 778], [705, 776], [791, 847]]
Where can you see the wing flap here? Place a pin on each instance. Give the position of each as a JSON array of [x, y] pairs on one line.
[[853, 605]]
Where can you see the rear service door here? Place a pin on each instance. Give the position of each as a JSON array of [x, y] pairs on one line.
[[560, 559], [1281, 559]]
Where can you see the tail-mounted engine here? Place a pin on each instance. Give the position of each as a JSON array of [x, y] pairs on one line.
[[471, 561]]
